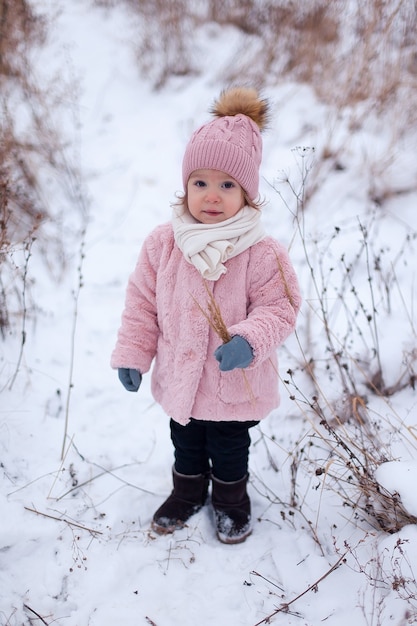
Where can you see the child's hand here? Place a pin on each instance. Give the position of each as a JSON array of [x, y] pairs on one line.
[[130, 378], [235, 353]]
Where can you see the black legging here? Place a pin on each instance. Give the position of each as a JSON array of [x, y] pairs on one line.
[[223, 444]]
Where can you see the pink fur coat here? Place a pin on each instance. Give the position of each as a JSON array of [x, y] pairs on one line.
[[164, 320]]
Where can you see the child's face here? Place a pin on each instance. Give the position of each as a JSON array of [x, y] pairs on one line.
[[213, 196]]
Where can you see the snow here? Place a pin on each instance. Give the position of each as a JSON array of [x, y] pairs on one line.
[[400, 477], [75, 541]]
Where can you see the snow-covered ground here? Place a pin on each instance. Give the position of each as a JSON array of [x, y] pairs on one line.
[[75, 541]]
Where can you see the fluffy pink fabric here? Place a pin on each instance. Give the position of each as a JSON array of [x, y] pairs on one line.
[[259, 299]]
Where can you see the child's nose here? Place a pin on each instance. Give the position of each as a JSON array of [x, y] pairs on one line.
[[212, 195]]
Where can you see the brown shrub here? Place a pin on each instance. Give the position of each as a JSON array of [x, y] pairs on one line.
[[348, 51], [31, 150]]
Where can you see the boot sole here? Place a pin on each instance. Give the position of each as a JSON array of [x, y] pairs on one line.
[[233, 540], [166, 530]]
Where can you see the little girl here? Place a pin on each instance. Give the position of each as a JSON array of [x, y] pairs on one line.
[[210, 300]]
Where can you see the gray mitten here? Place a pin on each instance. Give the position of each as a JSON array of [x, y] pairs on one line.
[[130, 378], [235, 353]]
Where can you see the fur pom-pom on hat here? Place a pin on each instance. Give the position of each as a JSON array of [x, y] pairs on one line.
[[244, 100], [231, 142]]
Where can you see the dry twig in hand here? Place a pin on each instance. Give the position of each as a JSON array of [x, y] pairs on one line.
[[216, 321], [213, 316]]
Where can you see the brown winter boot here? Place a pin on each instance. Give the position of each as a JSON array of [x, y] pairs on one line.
[[187, 497], [232, 510]]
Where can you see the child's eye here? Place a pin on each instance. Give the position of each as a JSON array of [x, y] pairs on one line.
[[199, 183], [228, 184]]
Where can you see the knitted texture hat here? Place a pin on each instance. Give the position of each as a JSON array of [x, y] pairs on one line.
[[231, 142]]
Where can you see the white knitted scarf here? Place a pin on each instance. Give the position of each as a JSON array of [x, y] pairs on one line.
[[209, 246]]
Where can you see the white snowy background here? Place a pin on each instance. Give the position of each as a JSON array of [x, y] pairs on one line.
[[76, 547]]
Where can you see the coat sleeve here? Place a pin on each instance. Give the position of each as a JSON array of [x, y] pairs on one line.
[[138, 334], [274, 300]]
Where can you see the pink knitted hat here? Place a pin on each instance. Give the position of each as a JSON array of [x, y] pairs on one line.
[[231, 142]]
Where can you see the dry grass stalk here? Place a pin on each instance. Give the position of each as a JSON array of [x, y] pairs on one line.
[[28, 608], [284, 608], [284, 280], [214, 317], [62, 519]]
